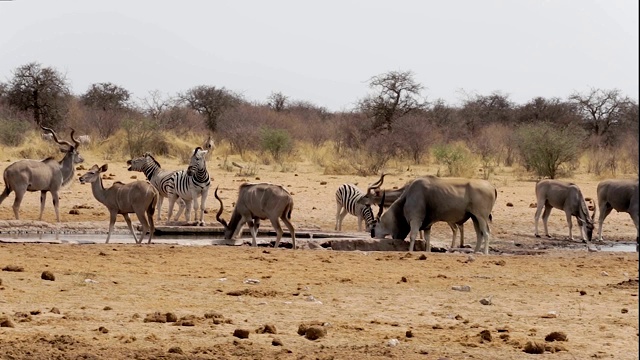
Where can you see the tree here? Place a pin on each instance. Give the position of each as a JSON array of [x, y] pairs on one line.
[[545, 148], [600, 109], [277, 101], [480, 110], [41, 90], [396, 94], [106, 96], [210, 102], [107, 104], [552, 110]]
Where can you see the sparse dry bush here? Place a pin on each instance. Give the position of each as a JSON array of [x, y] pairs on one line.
[[415, 134], [240, 126], [489, 146]]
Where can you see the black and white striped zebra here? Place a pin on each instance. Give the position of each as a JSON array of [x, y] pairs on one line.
[[160, 179], [347, 197], [191, 184]]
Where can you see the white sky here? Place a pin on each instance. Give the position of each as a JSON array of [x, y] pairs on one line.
[[325, 51]]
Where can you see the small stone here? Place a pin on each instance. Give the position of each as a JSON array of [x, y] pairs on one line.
[[74, 212], [47, 275], [533, 347], [509, 204], [485, 301], [54, 310], [403, 279], [276, 342], [500, 263], [604, 273], [175, 350], [556, 336], [103, 329], [315, 332], [14, 268], [393, 342], [409, 334], [422, 257], [6, 321], [461, 288], [624, 310], [582, 293], [171, 317], [485, 335], [241, 333], [107, 308], [323, 183]]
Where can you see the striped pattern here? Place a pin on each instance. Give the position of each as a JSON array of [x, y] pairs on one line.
[[191, 184], [347, 197], [161, 179]]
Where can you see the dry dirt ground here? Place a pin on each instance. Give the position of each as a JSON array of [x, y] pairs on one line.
[[160, 301]]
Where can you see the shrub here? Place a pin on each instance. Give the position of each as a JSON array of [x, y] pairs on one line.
[[547, 149], [142, 136], [277, 142], [457, 158], [12, 132]]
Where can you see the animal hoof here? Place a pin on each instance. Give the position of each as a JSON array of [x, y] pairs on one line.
[[548, 236], [537, 235]]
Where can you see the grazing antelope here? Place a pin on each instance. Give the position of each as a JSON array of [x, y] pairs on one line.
[[347, 197], [564, 196], [427, 200], [621, 195], [137, 197], [46, 175], [374, 195], [258, 202], [161, 179]]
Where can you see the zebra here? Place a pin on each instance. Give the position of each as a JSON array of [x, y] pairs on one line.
[[161, 179], [190, 184], [347, 200]]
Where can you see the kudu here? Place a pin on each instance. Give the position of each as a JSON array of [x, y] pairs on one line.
[[565, 196], [46, 175], [621, 195], [374, 196], [427, 200], [139, 197], [259, 201]]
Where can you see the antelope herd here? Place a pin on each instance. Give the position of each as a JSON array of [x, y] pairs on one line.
[[411, 210]]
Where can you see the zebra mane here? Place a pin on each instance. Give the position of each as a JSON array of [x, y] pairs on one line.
[[148, 155], [196, 150]]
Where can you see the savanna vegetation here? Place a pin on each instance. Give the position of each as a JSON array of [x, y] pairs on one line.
[[394, 124]]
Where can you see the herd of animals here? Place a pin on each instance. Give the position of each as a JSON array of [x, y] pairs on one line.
[[411, 210]]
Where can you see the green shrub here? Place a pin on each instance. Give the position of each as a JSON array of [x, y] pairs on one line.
[[456, 157], [549, 150], [277, 142]]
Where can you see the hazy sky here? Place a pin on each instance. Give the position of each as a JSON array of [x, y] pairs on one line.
[[325, 51]]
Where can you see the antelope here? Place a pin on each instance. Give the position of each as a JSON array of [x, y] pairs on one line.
[[139, 197], [564, 196], [621, 195], [429, 199], [259, 201], [46, 175], [374, 195]]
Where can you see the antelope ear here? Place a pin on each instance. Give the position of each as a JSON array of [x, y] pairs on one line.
[[104, 168]]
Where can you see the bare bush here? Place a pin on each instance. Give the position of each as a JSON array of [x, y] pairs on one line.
[[415, 134], [240, 126], [489, 145]]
